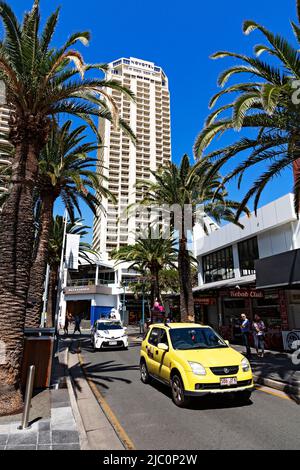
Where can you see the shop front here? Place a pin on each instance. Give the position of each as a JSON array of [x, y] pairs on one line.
[[206, 310], [279, 278], [269, 304]]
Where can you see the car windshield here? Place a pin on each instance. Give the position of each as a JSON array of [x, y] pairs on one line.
[[196, 338], [109, 326]]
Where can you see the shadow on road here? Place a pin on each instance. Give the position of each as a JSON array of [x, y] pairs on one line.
[[102, 373]]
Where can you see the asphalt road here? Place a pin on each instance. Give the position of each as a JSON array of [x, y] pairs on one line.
[[153, 422]]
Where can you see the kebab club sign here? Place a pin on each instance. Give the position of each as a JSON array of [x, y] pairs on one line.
[[243, 294]]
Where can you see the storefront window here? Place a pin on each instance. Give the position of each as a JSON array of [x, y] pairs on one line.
[[248, 253], [218, 266], [268, 309]]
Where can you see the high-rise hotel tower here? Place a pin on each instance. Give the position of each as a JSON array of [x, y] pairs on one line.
[[123, 162]]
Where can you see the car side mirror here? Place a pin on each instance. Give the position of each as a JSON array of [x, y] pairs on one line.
[[163, 347], [227, 342]]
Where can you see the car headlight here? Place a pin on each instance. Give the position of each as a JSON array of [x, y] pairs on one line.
[[245, 365], [197, 368]]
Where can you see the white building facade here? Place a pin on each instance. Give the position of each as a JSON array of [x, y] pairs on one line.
[[95, 289], [123, 162], [255, 270]]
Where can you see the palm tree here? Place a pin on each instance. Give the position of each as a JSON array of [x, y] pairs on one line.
[[40, 84], [55, 244], [66, 171], [149, 255], [6, 153], [187, 188], [266, 103]]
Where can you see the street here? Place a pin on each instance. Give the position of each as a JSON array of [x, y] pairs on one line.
[[152, 421]]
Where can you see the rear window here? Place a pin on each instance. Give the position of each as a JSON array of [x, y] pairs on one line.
[[109, 326]]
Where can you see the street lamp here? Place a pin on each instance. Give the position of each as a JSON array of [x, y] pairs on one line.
[[61, 273]]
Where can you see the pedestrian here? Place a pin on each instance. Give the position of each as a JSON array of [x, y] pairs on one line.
[[77, 324], [259, 335], [245, 330], [66, 327]]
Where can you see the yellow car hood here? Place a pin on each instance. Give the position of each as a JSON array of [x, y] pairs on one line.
[[211, 357]]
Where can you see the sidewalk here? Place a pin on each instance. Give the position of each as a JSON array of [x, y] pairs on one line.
[[95, 420], [52, 423]]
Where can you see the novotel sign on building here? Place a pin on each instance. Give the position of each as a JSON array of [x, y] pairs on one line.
[[138, 63]]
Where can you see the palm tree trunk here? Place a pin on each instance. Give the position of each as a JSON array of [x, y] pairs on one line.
[[16, 242], [38, 270], [185, 280], [155, 289]]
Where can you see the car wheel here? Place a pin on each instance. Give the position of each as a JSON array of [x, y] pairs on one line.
[[243, 397], [178, 391], [145, 377]]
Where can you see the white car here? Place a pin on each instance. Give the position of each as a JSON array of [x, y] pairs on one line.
[[107, 334]]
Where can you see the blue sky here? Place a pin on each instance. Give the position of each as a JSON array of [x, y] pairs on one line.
[[178, 36]]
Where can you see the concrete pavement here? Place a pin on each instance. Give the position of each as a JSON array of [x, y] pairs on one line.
[[52, 425], [100, 433]]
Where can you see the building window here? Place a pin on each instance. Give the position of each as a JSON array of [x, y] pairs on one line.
[[248, 253], [218, 266]]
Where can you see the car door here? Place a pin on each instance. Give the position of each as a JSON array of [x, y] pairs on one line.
[[162, 358], [151, 347]]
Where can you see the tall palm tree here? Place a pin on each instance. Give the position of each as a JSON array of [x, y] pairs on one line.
[[149, 255], [55, 244], [6, 154], [188, 188], [66, 171], [40, 84], [266, 102]]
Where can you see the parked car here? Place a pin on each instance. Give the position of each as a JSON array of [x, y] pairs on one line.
[[194, 360], [107, 334]]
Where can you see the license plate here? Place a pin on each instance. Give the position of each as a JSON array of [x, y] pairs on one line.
[[228, 381], [113, 343]]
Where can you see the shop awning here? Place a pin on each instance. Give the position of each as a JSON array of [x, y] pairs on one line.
[[281, 270]]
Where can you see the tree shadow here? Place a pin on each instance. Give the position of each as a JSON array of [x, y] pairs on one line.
[[101, 374]]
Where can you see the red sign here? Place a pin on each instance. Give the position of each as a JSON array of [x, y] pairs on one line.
[[205, 301]]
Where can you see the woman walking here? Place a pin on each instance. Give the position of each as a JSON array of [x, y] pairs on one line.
[[259, 335]]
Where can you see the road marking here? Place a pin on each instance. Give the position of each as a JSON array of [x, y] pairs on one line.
[[277, 394], [120, 431]]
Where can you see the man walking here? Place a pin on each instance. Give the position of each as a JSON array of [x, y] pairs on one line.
[[245, 330], [77, 324]]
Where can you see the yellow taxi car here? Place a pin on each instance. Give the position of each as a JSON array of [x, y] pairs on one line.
[[194, 360]]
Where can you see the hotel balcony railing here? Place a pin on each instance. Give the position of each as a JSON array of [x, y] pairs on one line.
[[89, 282]]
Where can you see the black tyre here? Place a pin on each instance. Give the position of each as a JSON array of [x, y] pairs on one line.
[[145, 377], [178, 395]]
